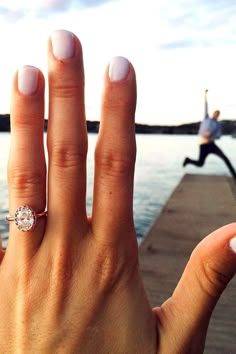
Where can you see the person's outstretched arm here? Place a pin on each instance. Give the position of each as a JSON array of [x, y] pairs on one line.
[[204, 126], [206, 112], [72, 284]]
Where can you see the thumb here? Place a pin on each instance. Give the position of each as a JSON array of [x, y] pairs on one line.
[[210, 268]]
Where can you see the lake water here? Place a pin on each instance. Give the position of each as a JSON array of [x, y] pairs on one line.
[[158, 171]]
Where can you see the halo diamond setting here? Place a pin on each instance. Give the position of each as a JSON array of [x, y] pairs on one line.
[[25, 218]]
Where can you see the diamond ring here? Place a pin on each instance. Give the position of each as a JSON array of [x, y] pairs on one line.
[[25, 218]]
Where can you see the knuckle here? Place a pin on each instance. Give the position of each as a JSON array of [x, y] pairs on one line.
[[212, 280], [113, 267], [68, 156], [115, 165], [26, 122], [26, 183], [65, 90], [118, 103], [23, 121], [105, 269]]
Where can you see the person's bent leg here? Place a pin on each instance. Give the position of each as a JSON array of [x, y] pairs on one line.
[[217, 151], [203, 152]]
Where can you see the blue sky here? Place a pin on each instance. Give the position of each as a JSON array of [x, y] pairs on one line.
[[178, 48]]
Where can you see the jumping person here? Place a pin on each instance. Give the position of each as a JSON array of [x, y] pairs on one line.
[[210, 129]]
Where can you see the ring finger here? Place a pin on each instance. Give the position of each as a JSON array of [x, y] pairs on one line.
[[26, 167]]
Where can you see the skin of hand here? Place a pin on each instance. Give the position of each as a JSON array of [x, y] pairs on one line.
[[72, 285]]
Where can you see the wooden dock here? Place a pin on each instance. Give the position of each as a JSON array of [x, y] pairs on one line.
[[199, 205]]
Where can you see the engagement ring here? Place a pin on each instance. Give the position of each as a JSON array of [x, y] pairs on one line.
[[25, 218]]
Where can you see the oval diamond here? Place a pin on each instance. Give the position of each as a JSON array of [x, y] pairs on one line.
[[25, 218]]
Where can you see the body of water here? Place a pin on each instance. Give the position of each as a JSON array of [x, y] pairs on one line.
[[158, 171]]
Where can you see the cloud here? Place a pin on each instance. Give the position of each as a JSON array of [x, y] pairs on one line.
[[10, 16], [91, 3], [52, 5], [184, 43], [198, 23], [15, 10]]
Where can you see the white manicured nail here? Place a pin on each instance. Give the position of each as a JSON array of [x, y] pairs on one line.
[[63, 44], [232, 244], [28, 77], [118, 68]]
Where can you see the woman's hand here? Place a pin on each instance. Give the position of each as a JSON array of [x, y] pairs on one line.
[[72, 284]]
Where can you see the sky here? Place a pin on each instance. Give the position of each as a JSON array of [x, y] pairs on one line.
[[178, 48]]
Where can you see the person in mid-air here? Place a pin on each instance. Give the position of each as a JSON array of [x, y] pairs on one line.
[[210, 129]]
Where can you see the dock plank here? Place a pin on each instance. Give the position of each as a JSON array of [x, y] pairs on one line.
[[199, 205]]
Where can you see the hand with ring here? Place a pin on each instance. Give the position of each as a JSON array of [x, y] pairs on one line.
[[69, 283]]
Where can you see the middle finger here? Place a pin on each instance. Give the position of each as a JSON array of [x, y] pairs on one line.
[[67, 135]]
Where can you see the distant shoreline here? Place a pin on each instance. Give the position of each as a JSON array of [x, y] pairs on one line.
[[229, 127]]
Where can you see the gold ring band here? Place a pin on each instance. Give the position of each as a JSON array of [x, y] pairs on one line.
[[25, 218]]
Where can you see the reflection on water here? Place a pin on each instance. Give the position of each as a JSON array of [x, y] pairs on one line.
[[158, 171]]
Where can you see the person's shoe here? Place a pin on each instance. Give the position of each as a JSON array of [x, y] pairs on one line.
[[186, 160]]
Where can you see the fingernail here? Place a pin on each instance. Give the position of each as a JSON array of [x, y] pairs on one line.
[[118, 68], [232, 244], [63, 44], [28, 77]]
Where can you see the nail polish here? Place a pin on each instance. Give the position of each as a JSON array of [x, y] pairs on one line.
[[28, 77], [232, 244], [63, 44], [118, 68]]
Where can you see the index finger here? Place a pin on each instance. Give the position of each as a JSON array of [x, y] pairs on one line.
[[115, 152]]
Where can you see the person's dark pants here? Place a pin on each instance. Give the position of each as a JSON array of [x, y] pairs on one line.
[[205, 150]]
